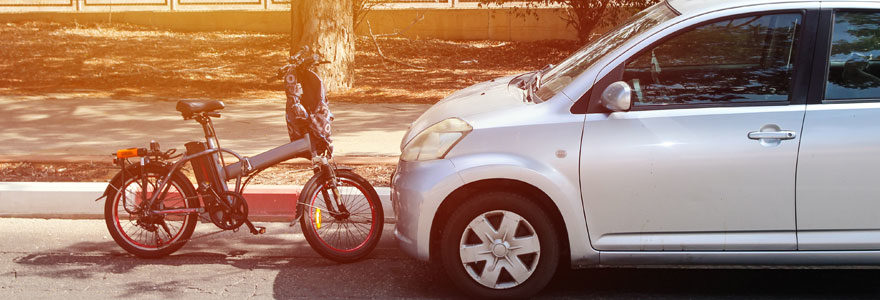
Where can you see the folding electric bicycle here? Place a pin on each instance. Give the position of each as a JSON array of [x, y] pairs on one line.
[[152, 208]]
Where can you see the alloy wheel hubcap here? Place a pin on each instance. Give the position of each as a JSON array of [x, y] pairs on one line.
[[499, 249]]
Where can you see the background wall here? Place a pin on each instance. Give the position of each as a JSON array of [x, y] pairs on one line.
[[138, 5], [471, 24]]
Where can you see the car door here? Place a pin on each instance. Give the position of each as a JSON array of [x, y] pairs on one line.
[[838, 183], [706, 157]]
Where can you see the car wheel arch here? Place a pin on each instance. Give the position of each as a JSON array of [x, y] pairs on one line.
[[463, 193]]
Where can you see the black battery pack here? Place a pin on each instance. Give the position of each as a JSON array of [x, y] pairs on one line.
[[203, 166]]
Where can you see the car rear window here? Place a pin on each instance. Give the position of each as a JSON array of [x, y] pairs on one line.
[[854, 63]]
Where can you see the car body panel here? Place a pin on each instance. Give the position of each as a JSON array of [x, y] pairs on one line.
[[493, 95], [423, 192], [537, 150], [649, 174], [838, 188]]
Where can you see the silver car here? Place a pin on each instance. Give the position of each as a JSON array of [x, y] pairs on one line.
[[696, 133]]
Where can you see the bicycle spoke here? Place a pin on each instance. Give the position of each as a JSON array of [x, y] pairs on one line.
[[347, 234], [360, 206], [168, 231], [360, 231]]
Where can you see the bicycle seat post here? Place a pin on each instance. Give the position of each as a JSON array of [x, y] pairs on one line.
[[211, 142], [208, 128]]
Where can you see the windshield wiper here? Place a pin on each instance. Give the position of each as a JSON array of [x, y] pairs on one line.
[[530, 84], [535, 84], [540, 75]]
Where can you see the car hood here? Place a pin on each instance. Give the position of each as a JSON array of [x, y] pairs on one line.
[[493, 95]]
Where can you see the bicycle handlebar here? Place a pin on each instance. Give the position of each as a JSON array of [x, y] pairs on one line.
[[302, 51], [304, 58]]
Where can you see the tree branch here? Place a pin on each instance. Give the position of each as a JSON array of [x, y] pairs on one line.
[[379, 49]]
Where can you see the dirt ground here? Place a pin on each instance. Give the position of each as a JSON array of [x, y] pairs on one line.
[[128, 62]]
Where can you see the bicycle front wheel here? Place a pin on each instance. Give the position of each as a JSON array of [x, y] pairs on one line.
[[344, 229]]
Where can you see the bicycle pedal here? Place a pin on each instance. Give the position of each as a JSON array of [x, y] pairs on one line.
[[255, 229]]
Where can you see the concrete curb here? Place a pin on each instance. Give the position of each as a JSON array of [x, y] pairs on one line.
[[343, 160], [76, 200]]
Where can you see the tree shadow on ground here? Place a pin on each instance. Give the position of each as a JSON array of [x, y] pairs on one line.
[[132, 61], [141, 63], [299, 271]]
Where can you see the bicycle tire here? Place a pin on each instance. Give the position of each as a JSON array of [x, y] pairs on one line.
[[327, 238], [133, 237]]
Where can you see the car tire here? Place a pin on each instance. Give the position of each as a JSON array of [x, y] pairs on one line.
[[507, 265]]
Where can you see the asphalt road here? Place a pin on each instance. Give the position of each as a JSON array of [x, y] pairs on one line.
[[77, 259]]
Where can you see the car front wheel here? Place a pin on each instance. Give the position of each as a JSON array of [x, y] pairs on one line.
[[499, 245]]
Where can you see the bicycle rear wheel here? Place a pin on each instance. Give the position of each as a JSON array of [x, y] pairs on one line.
[[158, 235], [341, 234]]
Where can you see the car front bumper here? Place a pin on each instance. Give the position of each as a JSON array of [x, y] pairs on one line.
[[417, 190]]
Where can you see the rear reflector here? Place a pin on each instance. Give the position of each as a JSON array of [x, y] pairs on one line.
[[131, 152]]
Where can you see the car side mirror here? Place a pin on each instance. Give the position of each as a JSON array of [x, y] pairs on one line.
[[616, 97]]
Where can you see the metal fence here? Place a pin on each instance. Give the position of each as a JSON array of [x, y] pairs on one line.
[[443, 3], [436, 1], [213, 5]]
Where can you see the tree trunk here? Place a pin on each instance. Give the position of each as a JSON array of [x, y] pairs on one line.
[[326, 27]]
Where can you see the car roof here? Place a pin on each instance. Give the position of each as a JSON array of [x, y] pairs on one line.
[[687, 7]]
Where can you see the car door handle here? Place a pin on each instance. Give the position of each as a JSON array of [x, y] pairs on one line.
[[778, 135]]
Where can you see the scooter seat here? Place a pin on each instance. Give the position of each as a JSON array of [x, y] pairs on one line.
[[191, 107]]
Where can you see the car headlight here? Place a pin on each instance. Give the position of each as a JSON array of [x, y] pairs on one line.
[[435, 141]]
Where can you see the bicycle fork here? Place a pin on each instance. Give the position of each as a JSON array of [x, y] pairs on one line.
[[341, 211], [332, 198]]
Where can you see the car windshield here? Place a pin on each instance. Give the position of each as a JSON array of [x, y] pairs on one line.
[[557, 78]]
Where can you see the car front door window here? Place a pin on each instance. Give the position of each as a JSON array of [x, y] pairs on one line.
[[746, 59]]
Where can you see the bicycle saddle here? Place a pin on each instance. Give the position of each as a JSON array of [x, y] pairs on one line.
[[190, 107]]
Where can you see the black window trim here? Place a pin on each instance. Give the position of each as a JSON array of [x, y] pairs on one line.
[[709, 105], [822, 59], [800, 78]]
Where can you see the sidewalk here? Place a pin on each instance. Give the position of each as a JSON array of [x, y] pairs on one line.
[[91, 129]]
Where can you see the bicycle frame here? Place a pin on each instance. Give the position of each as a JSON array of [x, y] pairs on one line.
[[244, 167]]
